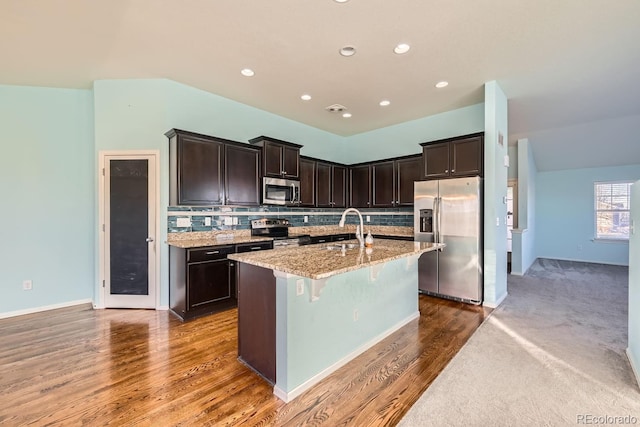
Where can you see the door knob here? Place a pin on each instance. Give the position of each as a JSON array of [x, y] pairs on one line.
[[149, 239]]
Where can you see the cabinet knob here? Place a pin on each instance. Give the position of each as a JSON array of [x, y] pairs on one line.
[[453, 170], [446, 171]]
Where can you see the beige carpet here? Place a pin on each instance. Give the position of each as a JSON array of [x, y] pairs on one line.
[[552, 354]]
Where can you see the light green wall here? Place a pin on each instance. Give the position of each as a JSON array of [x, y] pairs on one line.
[[495, 192], [47, 191], [512, 172], [633, 351], [405, 138], [202, 112], [524, 238]]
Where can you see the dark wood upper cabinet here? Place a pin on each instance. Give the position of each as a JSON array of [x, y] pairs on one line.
[[454, 157], [383, 185], [331, 185], [339, 186], [280, 159], [242, 175], [360, 186], [307, 182], [196, 169], [408, 170]]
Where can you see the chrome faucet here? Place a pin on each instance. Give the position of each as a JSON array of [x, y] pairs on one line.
[[359, 228]]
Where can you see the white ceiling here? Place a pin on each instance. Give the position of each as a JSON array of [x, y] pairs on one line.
[[560, 63]]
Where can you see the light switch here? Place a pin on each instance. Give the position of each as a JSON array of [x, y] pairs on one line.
[[498, 221], [183, 222], [234, 220], [506, 160], [207, 221]]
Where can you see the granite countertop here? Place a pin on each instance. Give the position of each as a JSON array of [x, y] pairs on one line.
[[213, 241], [318, 262]]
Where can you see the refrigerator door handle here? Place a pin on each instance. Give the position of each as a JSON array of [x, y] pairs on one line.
[[439, 220]]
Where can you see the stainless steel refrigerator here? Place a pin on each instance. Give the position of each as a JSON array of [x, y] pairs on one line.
[[450, 211]]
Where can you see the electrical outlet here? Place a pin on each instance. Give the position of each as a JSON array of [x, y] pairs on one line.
[[497, 221], [183, 222], [355, 314], [27, 285], [234, 220], [306, 218], [368, 218], [579, 248], [300, 287], [207, 221], [228, 220]]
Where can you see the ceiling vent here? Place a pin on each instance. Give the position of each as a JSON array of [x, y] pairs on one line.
[[336, 108]]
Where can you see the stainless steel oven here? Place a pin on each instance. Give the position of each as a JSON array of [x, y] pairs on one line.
[[278, 229], [277, 191]]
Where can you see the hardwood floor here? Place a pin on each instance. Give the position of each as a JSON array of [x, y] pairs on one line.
[[79, 366]]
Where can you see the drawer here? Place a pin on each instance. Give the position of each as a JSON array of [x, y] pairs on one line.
[[320, 239], [259, 246], [209, 253]]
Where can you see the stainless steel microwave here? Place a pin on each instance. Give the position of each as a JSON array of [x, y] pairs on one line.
[[278, 191]]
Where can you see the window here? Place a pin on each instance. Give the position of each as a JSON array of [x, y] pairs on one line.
[[612, 210]]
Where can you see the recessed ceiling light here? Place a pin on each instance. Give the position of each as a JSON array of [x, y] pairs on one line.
[[348, 51], [341, 1], [384, 102], [346, 115], [401, 48], [442, 84], [247, 72], [305, 97]]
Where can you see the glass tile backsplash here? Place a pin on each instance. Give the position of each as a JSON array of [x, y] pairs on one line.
[[198, 218]]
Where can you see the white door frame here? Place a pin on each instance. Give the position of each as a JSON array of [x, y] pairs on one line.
[[154, 271]]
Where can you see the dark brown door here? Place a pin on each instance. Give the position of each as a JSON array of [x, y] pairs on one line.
[[436, 160], [360, 187], [290, 162], [242, 175], [323, 185], [466, 156], [209, 283], [339, 186], [273, 159], [200, 179], [307, 182], [407, 172], [383, 184]]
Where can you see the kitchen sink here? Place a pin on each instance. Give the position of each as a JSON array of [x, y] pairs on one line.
[[341, 246]]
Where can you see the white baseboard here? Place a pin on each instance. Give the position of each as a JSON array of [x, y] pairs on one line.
[[497, 303], [590, 261], [162, 308], [44, 308], [634, 368], [289, 396]]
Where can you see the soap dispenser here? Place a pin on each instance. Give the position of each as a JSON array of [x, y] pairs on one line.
[[368, 241]]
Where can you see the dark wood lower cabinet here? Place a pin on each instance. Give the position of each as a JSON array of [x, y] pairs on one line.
[[201, 281], [257, 319]]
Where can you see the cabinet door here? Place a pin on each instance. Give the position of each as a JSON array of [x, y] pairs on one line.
[[407, 172], [360, 188], [242, 175], [272, 161], [307, 182], [383, 184], [290, 162], [208, 283], [436, 160], [466, 156], [200, 166], [323, 185], [339, 186]]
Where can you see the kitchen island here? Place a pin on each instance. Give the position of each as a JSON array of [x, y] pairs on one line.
[[304, 312]]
